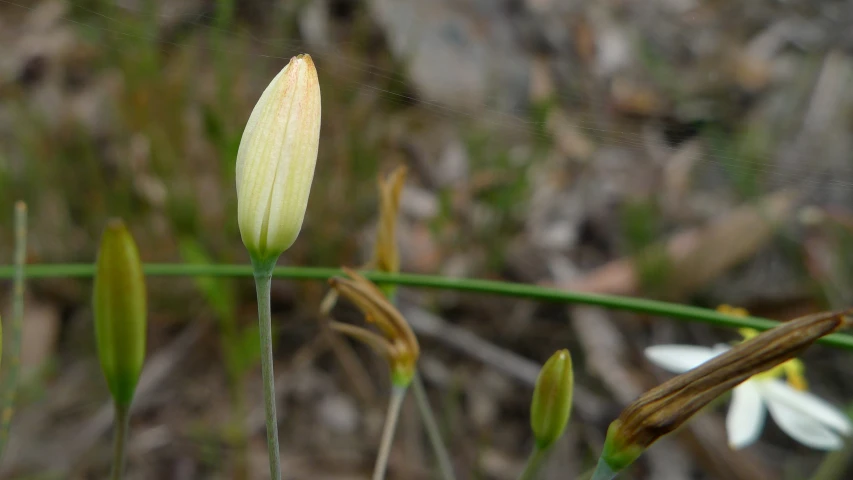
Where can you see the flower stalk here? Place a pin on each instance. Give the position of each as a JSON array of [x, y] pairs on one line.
[[263, 284], [533, 464], [398, 394], [445, 466], [121, 425]]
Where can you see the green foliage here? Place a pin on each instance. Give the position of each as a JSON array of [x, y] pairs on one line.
[[240, 344], [641, 225], [742, 156]]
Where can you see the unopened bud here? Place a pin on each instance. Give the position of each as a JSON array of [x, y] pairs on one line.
[[119, 303], [552, 399], [275, 162]]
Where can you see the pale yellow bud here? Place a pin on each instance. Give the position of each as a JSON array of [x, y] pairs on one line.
[[275, 163]]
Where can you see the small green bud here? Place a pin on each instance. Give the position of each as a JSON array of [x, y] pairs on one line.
[[552, 399], [120, 312]]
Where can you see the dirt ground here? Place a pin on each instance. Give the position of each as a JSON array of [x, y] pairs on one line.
[[687, 150]]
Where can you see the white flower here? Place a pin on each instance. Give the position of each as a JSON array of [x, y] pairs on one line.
[[805, 417], [275, 162]]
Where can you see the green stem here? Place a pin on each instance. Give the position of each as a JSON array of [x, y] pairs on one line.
[[534, 463], [445, 467], [121, 426], [532, 292], [19, 274], [603, 471], [397, 395], [263, 281]]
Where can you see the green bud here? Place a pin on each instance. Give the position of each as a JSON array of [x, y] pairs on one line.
[[552, 399], [120, 312]]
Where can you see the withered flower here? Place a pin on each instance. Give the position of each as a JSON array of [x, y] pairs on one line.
[[386, 256], [804, 416], [664, 408], [397, 343]]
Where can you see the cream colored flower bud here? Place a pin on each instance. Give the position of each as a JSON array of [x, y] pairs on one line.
[[275, 163]]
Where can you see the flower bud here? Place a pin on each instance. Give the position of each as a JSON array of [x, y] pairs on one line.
[[275, 162], [552, 399], [120, 312]]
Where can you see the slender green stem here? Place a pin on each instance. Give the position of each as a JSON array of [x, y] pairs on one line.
[[445, 467], [534, 463], [263, 281], [11, 388], [398, 393], [532, 292], [121, 425], [603, 471], [833, 466]]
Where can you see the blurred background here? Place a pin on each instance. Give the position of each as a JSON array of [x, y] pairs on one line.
[[688, 150]]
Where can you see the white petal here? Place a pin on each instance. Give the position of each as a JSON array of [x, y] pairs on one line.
[[746, 415], [808, 404], [679, 358], [803, 428]]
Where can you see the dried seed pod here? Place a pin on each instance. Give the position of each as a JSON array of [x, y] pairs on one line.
[[664, 408]]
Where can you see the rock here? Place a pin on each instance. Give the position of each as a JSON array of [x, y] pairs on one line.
[[338, 413], [39, 336], [456, 56]]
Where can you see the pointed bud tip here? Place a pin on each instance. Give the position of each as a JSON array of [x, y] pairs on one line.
[[305, 58]]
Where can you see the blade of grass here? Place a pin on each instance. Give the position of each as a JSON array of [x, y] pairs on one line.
[[531, 292], [445, 467], [11, 386]]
